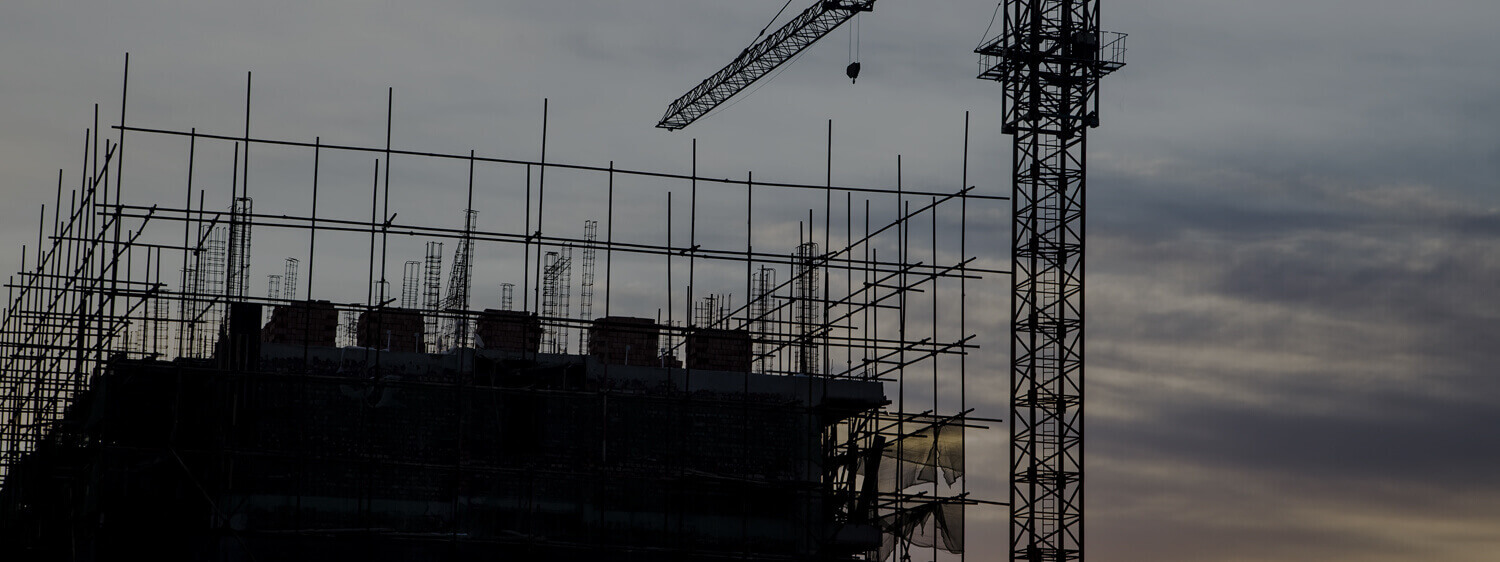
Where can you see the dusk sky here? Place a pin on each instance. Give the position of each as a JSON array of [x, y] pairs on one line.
[[1293, 211]]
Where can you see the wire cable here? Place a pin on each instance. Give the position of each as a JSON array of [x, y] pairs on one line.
[[773, 19], [988, 27]]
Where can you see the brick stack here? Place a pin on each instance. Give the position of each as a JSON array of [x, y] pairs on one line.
[[509, 330], [719, 350], [310, 322], [669, 361], [392, 329], [622, 340]]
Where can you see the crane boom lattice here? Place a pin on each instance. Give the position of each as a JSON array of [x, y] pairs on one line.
[[761, 58]]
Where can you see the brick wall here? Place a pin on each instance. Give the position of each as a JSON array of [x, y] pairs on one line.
[[622, 340], [719, 350], [509, 330], [395, 329], [309, 322]]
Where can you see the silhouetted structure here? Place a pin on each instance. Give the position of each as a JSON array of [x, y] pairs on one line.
[[1049, 55], [328, 453], [184, 419]]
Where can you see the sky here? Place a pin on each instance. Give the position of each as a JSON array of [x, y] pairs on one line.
[[1294, 220]]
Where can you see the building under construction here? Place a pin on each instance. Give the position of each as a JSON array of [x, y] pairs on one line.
[[601, 379]]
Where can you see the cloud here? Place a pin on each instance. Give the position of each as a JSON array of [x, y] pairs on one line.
[[1288, 366]]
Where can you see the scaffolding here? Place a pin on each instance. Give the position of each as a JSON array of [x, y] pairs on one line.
[[556, 279], [207, 294], [239, 246], [289, 280], [832, 399], [459, 281], [411, 283], [762, 307], [808, 306], [432, 290], [712, 311], [586, 284]]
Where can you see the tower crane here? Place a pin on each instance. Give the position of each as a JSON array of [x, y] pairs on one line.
[[1049, 56]]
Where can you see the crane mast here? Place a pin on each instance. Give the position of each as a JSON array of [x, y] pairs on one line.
[[1049, 56], [761, 58]]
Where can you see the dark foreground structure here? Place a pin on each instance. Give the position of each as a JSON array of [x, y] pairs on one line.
[[789, 383], [316, 453]]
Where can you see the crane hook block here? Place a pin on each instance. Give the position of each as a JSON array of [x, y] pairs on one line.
[[853, 72]]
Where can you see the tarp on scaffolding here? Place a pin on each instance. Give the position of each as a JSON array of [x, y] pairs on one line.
[[919, 456], [931, 446], [932, 524]]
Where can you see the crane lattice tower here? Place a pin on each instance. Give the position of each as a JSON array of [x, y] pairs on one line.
[[1049, 55]]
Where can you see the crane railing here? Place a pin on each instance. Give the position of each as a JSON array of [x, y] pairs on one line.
[[761, 58]]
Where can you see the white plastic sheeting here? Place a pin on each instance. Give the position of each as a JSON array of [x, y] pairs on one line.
[[933, 447], [935, 523], [919, 457]]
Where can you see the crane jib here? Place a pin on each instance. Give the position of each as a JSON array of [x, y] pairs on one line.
[[761, 58]]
